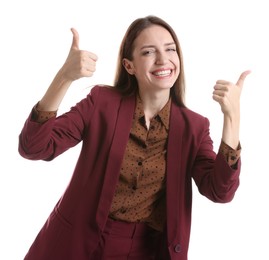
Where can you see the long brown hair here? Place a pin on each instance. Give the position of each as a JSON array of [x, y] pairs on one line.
[[126, 83]]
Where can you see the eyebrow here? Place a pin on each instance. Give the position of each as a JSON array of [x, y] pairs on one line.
[[153, 46]]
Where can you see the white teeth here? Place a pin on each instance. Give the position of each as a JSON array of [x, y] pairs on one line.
[[163, 73]]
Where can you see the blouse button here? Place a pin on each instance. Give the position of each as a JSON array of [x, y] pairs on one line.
[[123, 210]]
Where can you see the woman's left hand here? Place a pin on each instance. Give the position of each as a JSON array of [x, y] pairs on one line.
[[228, 94]]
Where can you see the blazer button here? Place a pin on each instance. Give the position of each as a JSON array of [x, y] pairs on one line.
[[177, 248]]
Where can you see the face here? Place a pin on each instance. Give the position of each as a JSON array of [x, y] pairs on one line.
[[155, 61]]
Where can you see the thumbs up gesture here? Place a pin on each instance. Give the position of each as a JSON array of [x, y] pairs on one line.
[[228, 94], [79, 63]]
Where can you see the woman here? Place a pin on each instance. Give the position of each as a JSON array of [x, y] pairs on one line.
[[130, 195]]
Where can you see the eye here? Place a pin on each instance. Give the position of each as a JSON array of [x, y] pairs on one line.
[[148, 52], [171, 49]]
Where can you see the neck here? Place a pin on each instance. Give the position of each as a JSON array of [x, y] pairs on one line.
[[153, 103]]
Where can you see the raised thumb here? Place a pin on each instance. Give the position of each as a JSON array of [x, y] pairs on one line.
[[75, 42]]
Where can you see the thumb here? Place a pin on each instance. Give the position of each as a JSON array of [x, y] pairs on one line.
[[75, 42], [242, 78]]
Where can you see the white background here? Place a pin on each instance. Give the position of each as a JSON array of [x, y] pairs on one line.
[[220, 39]]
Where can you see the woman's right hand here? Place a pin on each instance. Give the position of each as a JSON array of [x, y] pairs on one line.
[[79, 63]]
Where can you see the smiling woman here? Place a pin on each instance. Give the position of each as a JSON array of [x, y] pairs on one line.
[[141, 149]]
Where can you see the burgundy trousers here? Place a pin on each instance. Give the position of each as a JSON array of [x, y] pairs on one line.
[[128, 241]]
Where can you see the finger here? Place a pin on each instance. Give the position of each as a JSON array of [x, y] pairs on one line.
[[222, 82], [93, 56], [222, 86], [75, 42], [242, 78], [219, 93]]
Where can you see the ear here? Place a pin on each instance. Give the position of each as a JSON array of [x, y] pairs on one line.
[[128, 65]]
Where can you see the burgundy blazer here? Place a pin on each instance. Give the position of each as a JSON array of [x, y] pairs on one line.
[[102, 121]]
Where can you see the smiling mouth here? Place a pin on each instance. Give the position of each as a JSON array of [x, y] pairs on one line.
[[162, 73]]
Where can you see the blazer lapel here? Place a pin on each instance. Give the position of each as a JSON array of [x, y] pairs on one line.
[[119, 142], [174, 151]]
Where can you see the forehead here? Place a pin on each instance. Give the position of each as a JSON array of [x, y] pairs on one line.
[[152, 35]]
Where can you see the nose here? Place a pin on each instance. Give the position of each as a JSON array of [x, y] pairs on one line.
[[161, 58]]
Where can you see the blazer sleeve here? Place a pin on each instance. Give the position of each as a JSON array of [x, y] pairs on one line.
[[45, 141], [211, 172]]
